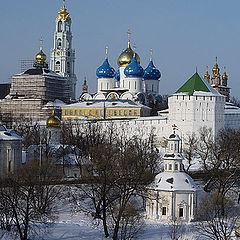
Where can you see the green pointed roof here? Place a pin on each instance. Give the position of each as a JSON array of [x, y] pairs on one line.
[[195, 83]]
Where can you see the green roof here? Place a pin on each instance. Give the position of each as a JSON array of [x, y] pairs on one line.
[[195, 83]]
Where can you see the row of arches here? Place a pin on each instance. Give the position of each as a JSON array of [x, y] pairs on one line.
[[60, 27]]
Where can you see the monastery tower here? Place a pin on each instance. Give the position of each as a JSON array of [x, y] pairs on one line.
[[62, 56]]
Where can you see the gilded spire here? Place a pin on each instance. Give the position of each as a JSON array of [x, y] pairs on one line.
[[41, 44], [134, 50], [207, 76], [129, 34], [106, 51], [224, 76], [151, 52], [63, 14]]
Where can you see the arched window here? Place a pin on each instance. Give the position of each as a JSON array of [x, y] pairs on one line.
[[68, 67], [60, 26], [59, 43], [67, 43], [57, 69]]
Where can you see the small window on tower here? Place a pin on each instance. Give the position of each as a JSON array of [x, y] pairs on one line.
[[59, 43], [164, 211], [60, 26], [57, 69]]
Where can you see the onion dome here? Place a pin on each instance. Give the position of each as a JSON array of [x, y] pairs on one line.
[[215, 69], [40, 58], [224, 76], [117, 75], [151, 72], [63, 14], [105, 70], [207, 76], [53, 121], [134, 69], [126, 56]]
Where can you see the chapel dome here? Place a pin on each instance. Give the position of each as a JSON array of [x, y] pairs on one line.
[[41, 57], [151, 72], [169, 181], [126, 57], [134, 69], [53, 121]]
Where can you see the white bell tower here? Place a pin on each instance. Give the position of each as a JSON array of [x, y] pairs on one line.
[[62, 56]]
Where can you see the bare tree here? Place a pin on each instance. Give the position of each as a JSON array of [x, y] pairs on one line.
[[28, 200], [212, 223]]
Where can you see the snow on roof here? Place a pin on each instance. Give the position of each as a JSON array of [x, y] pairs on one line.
[[151, 118], [108, 104], [56, 103], [171, 181], [8, 134], [173, 156], [231, 109]]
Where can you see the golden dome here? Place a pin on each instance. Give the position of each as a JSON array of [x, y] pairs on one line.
[[127, 55], [215, 69], [224, 76], [53, 121], [41, 57], [63, 14], [207, 76]]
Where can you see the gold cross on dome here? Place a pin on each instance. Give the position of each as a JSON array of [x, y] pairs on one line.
[[63, 3], [41, 43], [106, 52], [151, 51], [129, 34]]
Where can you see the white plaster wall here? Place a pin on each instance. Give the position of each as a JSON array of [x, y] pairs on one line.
[[133, 84], [105, 84], [151, 86]]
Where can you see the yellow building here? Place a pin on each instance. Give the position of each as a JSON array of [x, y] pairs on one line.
[[99, 109]]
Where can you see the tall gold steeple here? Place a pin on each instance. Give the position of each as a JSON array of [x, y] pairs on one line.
[[207, 75]]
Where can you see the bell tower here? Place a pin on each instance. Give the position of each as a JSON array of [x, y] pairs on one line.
[[62, 56]]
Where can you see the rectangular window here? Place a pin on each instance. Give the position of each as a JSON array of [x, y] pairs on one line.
[[164, 211], [75, 112], [71, 112], [96, 112], [135, 112], [101, 112], [180, 212], [90, 112], [130, 112], [80, 112], [66, 112], [135, 85], [120, 112], [125, 112], [115, 112], [176, 167], [165, 166], [170, 166]]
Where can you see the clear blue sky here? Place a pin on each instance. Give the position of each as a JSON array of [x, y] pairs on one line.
[[183, 34]]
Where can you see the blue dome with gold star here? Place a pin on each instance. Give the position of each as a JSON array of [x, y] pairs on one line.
[[117, 75], [105, 70], [134, 69], [151, 72]]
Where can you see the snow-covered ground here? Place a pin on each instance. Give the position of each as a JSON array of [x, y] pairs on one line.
[[79, 226]]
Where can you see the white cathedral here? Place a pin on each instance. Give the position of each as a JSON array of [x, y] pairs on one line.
[[129, 82]]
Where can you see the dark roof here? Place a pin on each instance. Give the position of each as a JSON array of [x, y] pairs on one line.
[[36, 71]]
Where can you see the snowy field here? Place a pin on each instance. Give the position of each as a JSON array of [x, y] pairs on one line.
[[79, 226]]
